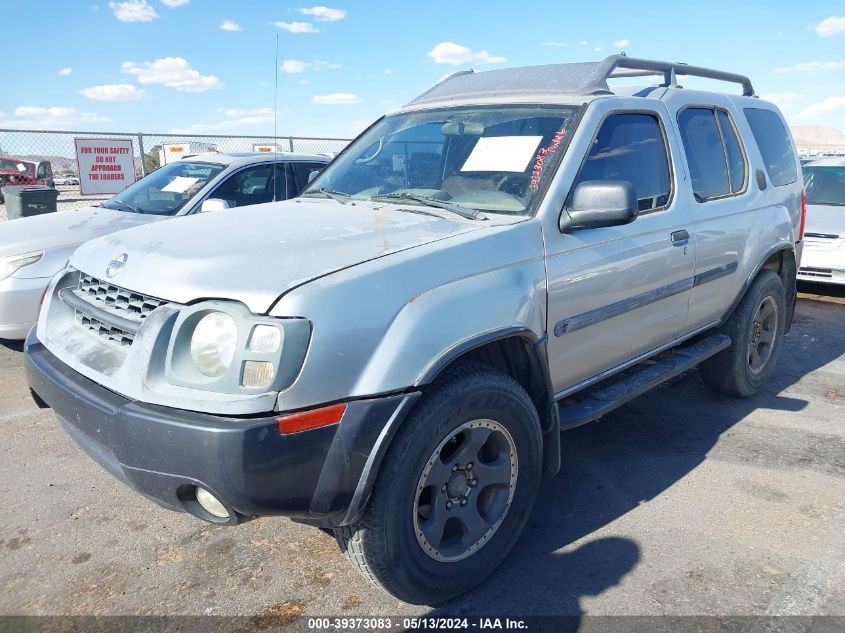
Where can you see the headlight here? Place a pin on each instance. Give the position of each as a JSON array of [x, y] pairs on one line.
[[221, 346], [213, 344], [10, 265]]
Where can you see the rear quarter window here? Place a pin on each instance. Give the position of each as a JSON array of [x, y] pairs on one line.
[[773, 140]]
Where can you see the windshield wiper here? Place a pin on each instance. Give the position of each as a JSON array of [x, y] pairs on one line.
[[469, 214], [337, 196], [131, 207]]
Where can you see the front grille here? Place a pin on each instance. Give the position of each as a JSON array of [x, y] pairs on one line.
[[822, 273], [107, 300], [104, 330], [120, 301]]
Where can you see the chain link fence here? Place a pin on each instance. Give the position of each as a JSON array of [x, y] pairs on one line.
[[151, 151]]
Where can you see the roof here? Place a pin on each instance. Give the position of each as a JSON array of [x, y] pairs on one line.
[[232, 158], [561, 80]]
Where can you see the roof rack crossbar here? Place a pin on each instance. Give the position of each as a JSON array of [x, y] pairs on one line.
[[623, 66]]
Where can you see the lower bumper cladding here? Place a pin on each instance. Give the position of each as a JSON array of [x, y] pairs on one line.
[[321, 475]]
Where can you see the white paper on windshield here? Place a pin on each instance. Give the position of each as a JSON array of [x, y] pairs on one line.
[[21, 167], [180, 184], [502, 153]]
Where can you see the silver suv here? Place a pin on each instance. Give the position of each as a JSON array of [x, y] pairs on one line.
[[393, 357]]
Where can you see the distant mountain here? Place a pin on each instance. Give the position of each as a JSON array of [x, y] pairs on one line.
[[60, 164], [817, 136]]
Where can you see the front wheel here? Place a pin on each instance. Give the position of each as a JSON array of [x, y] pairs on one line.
[[756, 329], [455, 489]]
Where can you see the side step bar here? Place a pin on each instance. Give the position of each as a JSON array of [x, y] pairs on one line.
[[590, 404]]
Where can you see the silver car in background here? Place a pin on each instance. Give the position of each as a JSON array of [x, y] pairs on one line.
[[824, 253], [34, 249]]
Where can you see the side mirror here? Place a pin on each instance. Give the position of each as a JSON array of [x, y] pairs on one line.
[[312, 175], [599, 203], [213, 204]]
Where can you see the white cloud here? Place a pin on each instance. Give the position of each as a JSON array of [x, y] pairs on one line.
[[56, 118], [294, 66], [831, 26], [172, 4], [133, 11], [456, 55], [324, 14], [555, 44], [597, 48], [829, 104], [781, 97], [319, 64], [582, 43], [388, 71], [236, 118], [229, 25], [335, 98], [296, 27], [622, 43], [113, 92], [64, 72], [783, 100], [808, 67], [173, 72]]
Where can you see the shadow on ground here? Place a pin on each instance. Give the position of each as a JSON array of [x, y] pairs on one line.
[[630, 457], [15, 346]]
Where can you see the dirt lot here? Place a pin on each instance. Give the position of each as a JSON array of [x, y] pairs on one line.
[[679, 504]]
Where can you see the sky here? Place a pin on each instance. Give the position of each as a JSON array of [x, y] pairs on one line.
[[208, 66]]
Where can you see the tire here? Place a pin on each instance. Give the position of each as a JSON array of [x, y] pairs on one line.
[[469, 403], [761, 317]]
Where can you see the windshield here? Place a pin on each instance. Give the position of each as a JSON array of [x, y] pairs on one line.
[[166, 190], [18, 166], [825, 185], [495, 159]]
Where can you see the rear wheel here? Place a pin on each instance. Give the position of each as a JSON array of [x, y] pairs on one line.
[[756, 330], [455, 489]]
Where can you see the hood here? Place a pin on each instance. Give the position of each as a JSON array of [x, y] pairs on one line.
[[255, 254], [828, 219], [64, 229]]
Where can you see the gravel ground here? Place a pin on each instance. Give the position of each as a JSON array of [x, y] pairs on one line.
[[677, 504]]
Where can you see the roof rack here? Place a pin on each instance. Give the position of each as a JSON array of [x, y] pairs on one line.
[[610, 67], [583, 78]]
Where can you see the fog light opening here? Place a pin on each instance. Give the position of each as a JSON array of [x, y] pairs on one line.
[[211, 504]]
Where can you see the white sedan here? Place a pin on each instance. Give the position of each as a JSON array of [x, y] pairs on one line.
[[34, 249], [824, 231]]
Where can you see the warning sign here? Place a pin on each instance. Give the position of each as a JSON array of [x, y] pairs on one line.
[[105, 165]]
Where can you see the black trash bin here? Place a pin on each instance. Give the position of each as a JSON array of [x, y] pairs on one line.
[[24, 201]]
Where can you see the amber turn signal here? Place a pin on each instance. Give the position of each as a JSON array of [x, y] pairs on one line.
[[307, 420]]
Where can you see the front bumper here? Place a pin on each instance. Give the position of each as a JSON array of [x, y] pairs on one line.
[[322, 476], [20, 300]]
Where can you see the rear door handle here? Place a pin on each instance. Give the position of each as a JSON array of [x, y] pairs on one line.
[[679, 238]]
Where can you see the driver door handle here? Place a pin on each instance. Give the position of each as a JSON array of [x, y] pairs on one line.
[[679, 238]]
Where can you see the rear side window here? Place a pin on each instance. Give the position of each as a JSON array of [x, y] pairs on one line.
[[705, 156], [733, 149], [631, 147], [775, 147], [714, 155]]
